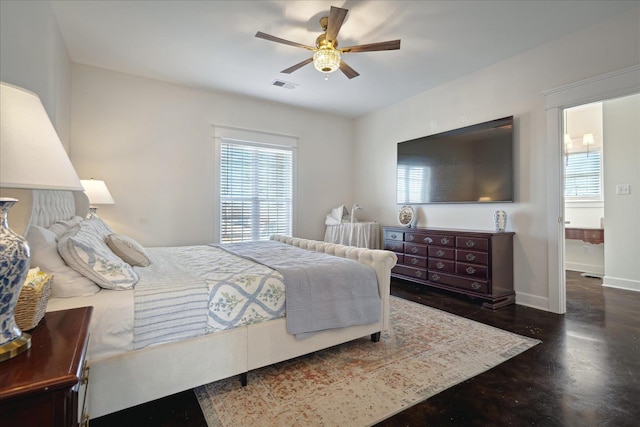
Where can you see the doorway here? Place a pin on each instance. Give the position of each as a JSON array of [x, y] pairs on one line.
[[583, 142], [609, 86]]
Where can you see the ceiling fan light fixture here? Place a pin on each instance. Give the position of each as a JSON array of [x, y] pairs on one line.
[[326, 60]]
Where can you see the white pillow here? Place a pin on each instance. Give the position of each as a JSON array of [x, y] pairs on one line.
[[128, 249], [85, 251], [44, 254], [61, 227]]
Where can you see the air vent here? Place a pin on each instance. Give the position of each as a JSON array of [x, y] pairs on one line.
[[286, 85]]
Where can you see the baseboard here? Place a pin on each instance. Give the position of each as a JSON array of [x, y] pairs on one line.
[[584, 268], [618, 283], [533, 301]]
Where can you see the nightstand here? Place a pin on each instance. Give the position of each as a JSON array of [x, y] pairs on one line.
[[46, 385]]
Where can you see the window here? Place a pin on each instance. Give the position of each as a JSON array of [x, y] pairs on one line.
[[256, 191], [582, 176]]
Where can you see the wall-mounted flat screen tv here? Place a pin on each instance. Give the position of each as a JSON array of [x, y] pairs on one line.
[[473, 164]]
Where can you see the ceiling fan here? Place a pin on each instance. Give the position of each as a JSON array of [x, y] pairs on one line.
[[326, 57]]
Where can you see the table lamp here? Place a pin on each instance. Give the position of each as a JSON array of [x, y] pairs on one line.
[[98, 194], [31, 157]]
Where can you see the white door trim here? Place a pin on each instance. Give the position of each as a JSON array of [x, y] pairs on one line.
[[607, 86]]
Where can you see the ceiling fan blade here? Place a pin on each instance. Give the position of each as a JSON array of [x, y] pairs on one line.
[[372, 47], [295, 67], [271, 38], [348, 71], [336, 18]]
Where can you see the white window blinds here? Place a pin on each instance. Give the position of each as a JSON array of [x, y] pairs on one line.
[[256, 188], [582, 176]]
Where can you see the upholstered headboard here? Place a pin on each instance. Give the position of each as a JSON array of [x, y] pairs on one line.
[[44, 207]]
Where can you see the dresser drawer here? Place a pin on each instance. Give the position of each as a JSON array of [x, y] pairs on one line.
[[415, 261], [475, 285], [440, 252], [472, 257], [393, 235], [475, 243], [472, 270], [440, 240], [442, 265], [395, 246], [414, 237], [416, 273], [414, 249]]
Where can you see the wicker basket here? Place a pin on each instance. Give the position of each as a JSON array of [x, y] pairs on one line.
[[32, 302]]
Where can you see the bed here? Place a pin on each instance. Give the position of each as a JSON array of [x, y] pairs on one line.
[[125, 374]]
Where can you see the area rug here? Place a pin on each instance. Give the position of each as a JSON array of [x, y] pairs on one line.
[[361, 382]]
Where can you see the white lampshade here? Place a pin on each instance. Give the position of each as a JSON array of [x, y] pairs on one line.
[[568, 142], [587, 139], [97, 192], [31, 154]]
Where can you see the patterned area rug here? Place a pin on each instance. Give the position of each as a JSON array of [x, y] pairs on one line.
[[360, 383]]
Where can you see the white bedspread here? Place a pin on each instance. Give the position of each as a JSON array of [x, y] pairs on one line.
[[238, 292], [111, 325], [217, 291]]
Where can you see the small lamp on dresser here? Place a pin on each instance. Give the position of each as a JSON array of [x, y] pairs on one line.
[[31, 157], [98, 194]]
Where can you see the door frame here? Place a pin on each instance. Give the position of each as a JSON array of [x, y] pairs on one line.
[[607, 86]]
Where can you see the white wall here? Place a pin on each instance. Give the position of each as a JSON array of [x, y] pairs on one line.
[[622, 212], [33, 56], [152, 143], [513, 87], [584, 214]]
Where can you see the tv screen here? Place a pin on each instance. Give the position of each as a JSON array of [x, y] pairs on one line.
[[473, 164]]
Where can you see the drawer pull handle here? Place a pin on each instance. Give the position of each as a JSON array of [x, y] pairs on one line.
[[444, 240], [428, 239], [393, 236], [440, 252], [435, 277], [418, 273], [471, 257], [475, 285], [470, 243], [471, 270], [410, 237], [414, 250], [440, 264], [594, 235], [414, 261]]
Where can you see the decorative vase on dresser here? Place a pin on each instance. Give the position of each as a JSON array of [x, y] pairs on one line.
[[14, 265], [478, 264]]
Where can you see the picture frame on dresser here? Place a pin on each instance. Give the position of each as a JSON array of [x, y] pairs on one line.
[[478, 264]]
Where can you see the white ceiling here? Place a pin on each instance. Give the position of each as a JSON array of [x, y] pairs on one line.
[[211, 44]]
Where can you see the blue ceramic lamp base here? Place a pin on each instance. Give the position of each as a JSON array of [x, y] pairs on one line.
[[14, 265]]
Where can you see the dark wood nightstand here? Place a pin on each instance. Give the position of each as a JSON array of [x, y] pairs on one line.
[[46, 385]]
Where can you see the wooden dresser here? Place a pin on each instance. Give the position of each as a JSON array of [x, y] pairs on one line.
[[474, 263], [46, 385]]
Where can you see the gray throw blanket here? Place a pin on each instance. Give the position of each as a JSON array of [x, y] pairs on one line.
[[322, 291]]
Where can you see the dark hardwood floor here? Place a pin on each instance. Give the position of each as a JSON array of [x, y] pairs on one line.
[[586, 371]]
